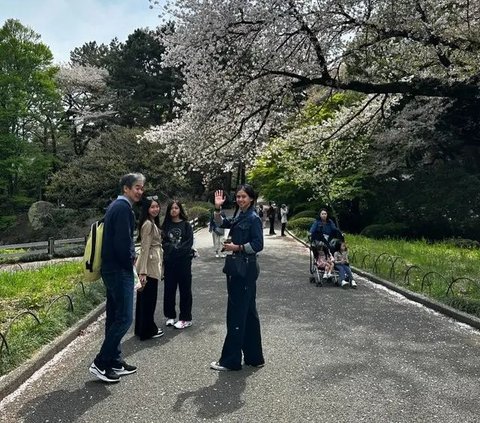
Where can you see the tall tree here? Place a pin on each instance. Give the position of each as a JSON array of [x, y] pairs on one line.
[[28, 105], [147, 91], [244, 61]]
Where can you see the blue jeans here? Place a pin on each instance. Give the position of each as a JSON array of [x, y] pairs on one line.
[[344, 272], [119, 311]]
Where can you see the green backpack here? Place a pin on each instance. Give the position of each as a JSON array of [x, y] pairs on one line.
[[92, 256]]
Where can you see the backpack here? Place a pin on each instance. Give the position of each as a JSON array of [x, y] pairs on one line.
[[92, 256]]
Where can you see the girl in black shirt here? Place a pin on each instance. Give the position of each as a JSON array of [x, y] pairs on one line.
[[177, 243]]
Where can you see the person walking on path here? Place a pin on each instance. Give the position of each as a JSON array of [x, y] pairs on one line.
[[243, 324], [217, 235], [149, 269], [271, 218], [118, 255], [284, 218], [177, 243]]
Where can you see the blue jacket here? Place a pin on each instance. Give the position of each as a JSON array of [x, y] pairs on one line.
[[118, 249], [245, 229], [318, 229]]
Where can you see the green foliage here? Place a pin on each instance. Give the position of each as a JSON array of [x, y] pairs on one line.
[[7, 221], [301, 224], [386, 230], [35, 290], [305, 213], [202, 213], [92, 180]]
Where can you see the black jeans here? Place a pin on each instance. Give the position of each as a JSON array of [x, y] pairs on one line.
[[243, 324], [178, 273], [145, 326], [284, 225], [272, 226]]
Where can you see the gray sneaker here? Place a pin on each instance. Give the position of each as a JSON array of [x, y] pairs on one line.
[[353, 284], [343, 284]]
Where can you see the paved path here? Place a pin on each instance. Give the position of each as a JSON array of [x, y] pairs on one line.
[[332, 356]]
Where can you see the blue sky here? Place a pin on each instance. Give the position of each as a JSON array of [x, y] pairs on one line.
[[66, 24]]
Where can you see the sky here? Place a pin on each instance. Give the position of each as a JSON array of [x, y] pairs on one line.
[[66, 24]]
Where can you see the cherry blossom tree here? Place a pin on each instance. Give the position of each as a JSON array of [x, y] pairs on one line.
[[248, 63]]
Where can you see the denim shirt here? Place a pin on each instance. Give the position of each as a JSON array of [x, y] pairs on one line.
[[245, 229], [319, 228]]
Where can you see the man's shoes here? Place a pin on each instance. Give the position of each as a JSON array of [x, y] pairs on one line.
[[182, 324], [159, 334], [170, 322], [215, 365], [122, 369], [353, 284], [343, 284], [106, 374]]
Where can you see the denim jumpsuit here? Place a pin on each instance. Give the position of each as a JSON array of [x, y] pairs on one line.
[[243, 324]]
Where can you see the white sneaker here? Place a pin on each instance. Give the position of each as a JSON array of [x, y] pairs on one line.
[[343, 284], [216, 255], [170, 322], [353, 284], [329, 275], [325, 276], [182, 324], [215, 365]]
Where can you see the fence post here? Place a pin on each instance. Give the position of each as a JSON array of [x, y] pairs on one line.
[[51, 248]]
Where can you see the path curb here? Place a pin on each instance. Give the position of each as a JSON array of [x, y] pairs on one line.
[[12, 380], [428, 302]]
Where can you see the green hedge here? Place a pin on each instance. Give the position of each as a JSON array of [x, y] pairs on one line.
[[305, 213], [302, 223], [202, 213], [386, 230]]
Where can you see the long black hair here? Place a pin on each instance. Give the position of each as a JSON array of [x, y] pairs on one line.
[[250, 192], [168, 217], [144, 215]]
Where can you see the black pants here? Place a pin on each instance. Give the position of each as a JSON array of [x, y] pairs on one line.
[[145, 326], [179, 274], [284, 225], [243, 324], [272, 226]]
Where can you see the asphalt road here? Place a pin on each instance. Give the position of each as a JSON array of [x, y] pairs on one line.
[[332, 355]]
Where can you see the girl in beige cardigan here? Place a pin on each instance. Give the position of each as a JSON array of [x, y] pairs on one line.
[[149, 269]]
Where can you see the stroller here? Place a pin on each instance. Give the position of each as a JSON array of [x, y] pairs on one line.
[[317, 264]]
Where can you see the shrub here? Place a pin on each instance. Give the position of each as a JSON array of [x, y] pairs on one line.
[[315, 205], [301, 224], [386, 230], [202, 213], [305, 213], [7, 221], [463, 243]]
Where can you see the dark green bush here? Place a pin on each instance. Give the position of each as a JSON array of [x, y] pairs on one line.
[[202, 213], [386, 230], [470, 244], [7, 221], [302, 223], [305, 213], [315, 205]]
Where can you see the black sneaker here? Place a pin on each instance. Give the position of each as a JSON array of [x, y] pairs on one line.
[[106, 374], [121, 368]]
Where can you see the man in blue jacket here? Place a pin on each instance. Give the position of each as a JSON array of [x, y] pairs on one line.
[[118, 255]]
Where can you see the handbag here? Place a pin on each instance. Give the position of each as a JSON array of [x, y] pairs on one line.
[[235, 266]]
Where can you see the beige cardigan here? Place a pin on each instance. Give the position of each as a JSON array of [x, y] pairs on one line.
[[149, 261]]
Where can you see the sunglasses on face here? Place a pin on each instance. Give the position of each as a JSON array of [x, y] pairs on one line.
[[152, 197]]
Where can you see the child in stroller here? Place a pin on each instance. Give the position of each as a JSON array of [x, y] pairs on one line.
[[343, 266], [321, 263]]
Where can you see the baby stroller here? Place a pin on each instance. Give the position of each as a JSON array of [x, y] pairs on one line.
[[317, 263]]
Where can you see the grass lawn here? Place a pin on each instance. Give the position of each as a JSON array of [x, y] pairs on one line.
[[35, 290], [447, 273]]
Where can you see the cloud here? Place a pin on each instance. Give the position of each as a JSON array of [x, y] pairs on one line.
[[66, 24]]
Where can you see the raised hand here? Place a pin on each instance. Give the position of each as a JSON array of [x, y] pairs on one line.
[[219, 198]]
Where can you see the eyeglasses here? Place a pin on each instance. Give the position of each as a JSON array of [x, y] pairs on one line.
[[152, 197]]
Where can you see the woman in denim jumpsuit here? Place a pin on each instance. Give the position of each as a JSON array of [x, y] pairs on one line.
[[243, 324]]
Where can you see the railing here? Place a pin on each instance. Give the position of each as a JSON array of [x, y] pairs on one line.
[[53, 247]]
